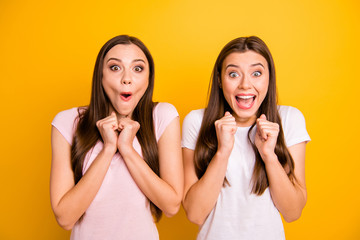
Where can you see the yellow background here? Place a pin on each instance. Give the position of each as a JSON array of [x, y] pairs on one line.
[[48, 50]]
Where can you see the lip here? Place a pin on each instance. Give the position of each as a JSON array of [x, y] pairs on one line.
[[125, 96], [245, 96]]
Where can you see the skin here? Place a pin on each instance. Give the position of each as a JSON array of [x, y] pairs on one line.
[[125, 69], [244, 73]]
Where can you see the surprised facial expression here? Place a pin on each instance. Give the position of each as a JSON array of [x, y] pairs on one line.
[[245, 81], [125, 77]]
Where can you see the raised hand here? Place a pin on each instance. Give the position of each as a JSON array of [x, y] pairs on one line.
[[128, 129], [225, 130], [266, 137], [108, 130]]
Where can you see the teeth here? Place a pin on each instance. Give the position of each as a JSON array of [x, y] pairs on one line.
[[245, 97]]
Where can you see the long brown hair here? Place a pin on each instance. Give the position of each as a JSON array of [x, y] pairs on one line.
[[87, 134], [207, 144]]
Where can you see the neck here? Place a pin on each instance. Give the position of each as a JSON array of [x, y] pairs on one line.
[[119, 115], [245, 122]]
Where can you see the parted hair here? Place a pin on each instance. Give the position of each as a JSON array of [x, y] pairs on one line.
[[206, 145], [87, 134]]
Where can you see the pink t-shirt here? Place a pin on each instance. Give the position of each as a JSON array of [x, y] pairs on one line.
[[119, 210]]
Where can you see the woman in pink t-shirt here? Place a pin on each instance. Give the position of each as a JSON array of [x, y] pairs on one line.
[[116, 163]]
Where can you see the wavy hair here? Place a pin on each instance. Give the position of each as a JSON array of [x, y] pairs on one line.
[[87, 134], [207, 144]]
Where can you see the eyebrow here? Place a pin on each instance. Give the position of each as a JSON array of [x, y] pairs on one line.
[[119, 60], [232, 65], [257, 64], [252, 65]]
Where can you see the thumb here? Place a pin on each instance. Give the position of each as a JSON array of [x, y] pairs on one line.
[[227, 113], [114, 125], [263, 117]]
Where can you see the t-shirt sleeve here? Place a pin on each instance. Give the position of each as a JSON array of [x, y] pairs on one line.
[[190, 128], [64, 122], [163, 115], [293, 125]]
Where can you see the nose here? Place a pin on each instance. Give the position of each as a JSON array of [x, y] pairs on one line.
[[245, 82], [126, 78]]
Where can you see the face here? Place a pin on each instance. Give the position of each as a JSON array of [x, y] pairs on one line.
[[125, 77], [245, 81]]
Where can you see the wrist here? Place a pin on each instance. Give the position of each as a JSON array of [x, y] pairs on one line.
[[269, 157], [126, 150], [222, 154], [109, 149]]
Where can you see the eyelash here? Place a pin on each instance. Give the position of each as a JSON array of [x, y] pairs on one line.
[[231, 73], [140, 67], [113, 68], [255, 74], [258, 72]]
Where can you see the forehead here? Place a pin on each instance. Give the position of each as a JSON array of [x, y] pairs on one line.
[[126, 52], [244, 59]]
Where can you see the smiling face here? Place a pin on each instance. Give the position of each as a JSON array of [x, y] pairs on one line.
[[245, 81], [125, 77]]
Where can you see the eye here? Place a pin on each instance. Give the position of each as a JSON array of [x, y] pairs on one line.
[[138, 69], [115, 68], [257, 74], [233, 74]]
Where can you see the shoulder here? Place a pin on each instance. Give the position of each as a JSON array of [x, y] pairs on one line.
[[288, 110], [164, 110], [162, 107], [163, 114], [66, 115], [195, 116], [65, 122], [289, 114], [191, 127], [294, 126]]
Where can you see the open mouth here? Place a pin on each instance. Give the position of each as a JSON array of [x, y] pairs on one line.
[[245, 101], [126, 96]]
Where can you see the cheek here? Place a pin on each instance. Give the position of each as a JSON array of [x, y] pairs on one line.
[[227, 87], [108, 87], [262, 87]]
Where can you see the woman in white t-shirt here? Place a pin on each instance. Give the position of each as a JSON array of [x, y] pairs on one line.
[[244, 156]]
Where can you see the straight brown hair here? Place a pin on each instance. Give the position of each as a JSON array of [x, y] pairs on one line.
[[87, 134], [206, 145]]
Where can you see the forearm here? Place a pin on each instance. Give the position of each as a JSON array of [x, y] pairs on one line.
[[75, 202], [161, 193], [202, 196], [288, 197]]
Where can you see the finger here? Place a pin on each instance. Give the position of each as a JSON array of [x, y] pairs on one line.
[[261, 130], [233, 129], [264, 124], [120, 125], [227, 118]]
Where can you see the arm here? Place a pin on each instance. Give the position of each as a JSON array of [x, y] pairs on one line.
[[201, 195], [70, 201], [288, 198], [164, 191]]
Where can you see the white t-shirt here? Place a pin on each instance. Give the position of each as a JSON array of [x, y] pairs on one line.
[[239, 214]]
